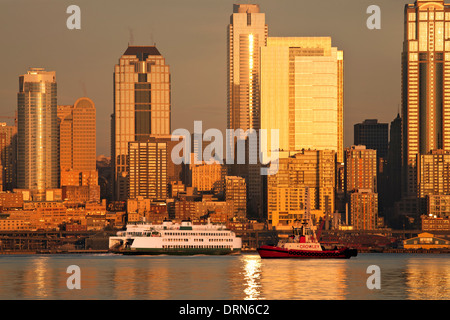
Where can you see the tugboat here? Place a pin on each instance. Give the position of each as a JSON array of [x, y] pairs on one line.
[[304, 243]]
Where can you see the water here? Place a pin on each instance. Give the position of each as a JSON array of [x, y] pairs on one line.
[[243, 277]]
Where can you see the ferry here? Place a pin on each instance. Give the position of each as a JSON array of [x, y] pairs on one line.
[[172, 238], [303, 243]]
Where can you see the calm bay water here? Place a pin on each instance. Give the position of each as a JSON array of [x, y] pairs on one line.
[[243, 277]]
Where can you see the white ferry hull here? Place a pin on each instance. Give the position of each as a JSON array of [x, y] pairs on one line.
[[173, 239], [179, 252]]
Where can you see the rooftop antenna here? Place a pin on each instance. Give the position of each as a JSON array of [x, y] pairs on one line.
[[152, 40], [131, 40]]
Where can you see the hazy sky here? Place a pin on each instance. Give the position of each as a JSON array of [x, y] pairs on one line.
[[191, 35]]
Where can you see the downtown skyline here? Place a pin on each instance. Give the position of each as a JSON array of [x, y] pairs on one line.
[[199, 72], [335, 137]]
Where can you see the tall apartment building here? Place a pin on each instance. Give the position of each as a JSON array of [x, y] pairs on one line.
[[37, 131], [425, 84], [246, 34], [302, 93], [142, 106], [77, 125], [361, 186], [305, 180], [360, 169], [151, 169], [375, 135], [148, 170], [364, 209], [8, 148]]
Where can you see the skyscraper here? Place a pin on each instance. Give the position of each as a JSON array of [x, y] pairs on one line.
[[425, 89], [361, 186], [78, 136], [247, 33], [302, 93], [78, 163], [394, 163], [373, 135], [38, 132], [360, 169], [142, 106], [8, 148]]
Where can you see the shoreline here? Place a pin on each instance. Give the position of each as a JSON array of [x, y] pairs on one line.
[[89, 251]]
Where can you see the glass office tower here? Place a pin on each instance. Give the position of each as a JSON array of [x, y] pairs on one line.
[[38, 131], [142, 106], [302, 93], [247, 33]]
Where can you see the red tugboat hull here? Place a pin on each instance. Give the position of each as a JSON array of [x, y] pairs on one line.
[[271, 252]]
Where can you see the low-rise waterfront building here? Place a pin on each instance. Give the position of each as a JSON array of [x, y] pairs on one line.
[[426, 241]]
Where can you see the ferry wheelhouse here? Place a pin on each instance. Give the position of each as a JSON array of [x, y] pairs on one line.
[[172, 238]]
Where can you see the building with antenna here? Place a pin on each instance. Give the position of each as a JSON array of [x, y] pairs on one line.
[[142, 106]]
